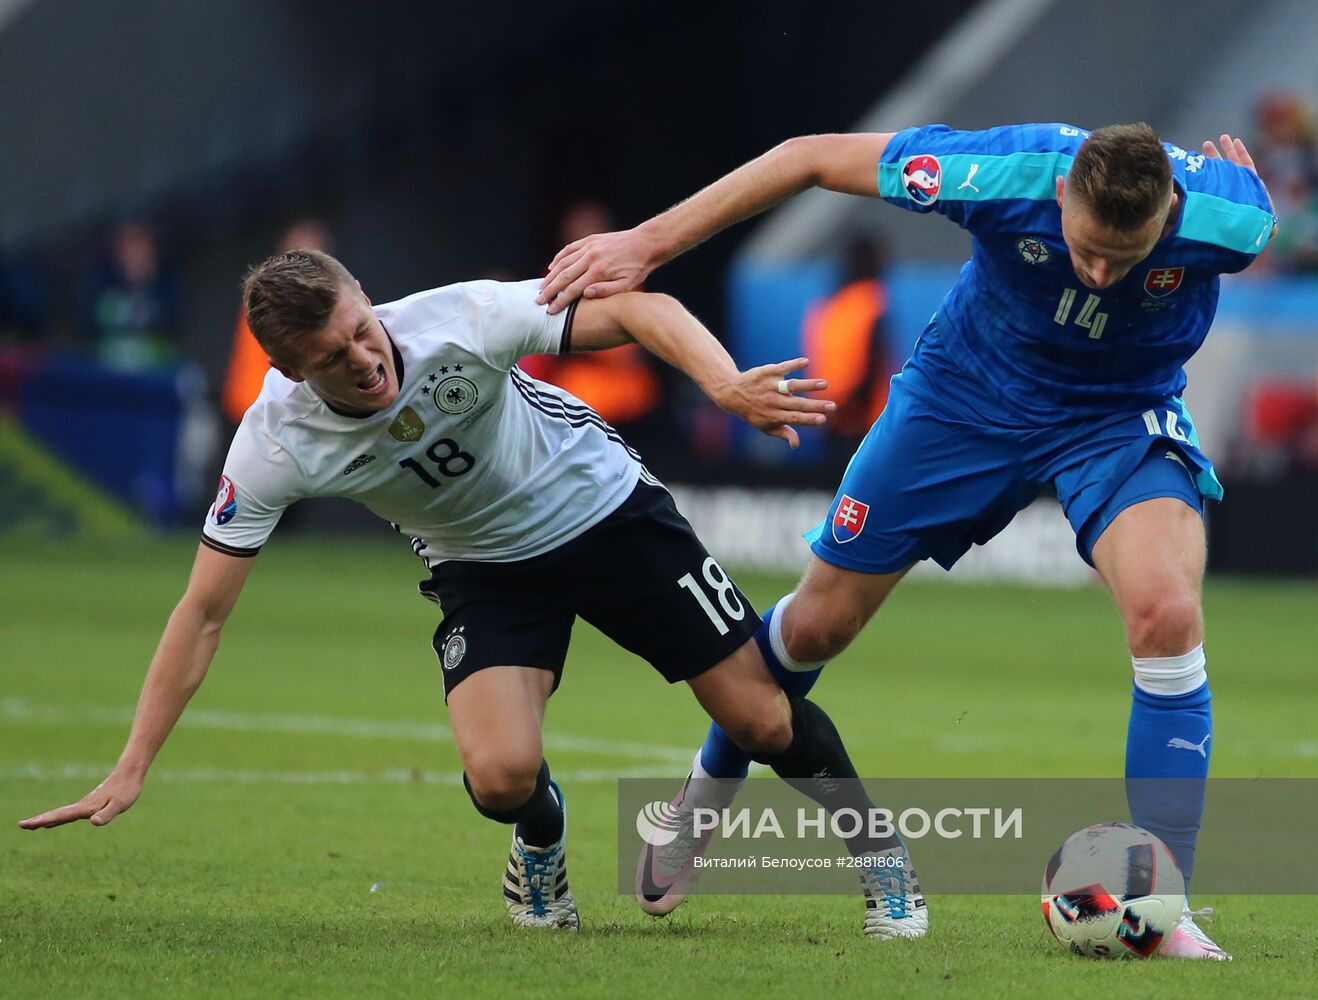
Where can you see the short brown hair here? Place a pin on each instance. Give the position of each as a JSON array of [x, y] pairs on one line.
[[292, 294], [1123, 175]]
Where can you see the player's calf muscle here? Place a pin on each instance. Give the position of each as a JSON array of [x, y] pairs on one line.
[[747, 703]]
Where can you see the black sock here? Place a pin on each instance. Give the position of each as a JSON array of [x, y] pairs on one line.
[[817, 765], [539, 819]]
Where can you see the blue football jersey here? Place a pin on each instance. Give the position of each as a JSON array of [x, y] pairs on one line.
[[1037, 342]]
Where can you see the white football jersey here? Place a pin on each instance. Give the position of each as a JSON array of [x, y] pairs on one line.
[[475, 460]]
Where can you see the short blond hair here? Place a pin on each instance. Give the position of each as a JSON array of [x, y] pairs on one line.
[[290, 295]]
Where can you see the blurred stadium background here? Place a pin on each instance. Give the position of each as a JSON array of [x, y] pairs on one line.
[[157, 148], [152, 149]]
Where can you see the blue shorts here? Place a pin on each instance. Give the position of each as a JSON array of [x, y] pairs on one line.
[[932, 478]]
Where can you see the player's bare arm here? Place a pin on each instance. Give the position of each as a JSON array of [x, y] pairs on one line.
[[606, 263], [177, 670], [765, 397]]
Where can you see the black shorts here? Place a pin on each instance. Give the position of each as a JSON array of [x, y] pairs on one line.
[[640, 576]]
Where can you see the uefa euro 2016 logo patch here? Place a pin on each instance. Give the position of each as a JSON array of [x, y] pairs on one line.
[[226, 502], [849, 519], [922, 176]]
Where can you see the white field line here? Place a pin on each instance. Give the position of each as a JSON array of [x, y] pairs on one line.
[[19, 712], [387, 776]]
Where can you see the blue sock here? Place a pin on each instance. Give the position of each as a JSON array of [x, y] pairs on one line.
[[1169, 737], [722, 758]]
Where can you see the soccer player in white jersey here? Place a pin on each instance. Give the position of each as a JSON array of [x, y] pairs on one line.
[[527, 510]]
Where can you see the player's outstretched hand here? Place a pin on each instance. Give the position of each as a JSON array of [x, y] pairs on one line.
[[598, 266], [765, 397], [102, 804], [1233, 151]]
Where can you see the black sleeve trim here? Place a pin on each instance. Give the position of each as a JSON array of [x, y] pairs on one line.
[[565, 343], [229, 550]]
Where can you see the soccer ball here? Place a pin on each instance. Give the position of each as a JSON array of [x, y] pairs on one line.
[[1112, 891]]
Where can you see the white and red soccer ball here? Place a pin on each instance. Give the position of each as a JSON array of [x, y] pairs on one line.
[[1112, 891]]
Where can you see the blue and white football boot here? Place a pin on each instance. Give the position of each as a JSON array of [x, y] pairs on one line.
[[894, 905], [535, 886]]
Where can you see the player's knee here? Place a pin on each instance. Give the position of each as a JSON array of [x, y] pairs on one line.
[[498, 783], [761, 729], [1164, 624]]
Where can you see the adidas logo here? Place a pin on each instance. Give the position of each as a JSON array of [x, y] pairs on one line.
[[358, 462]]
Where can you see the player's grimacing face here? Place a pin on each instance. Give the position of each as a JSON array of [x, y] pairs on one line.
[[1101, 255], [350, 361]]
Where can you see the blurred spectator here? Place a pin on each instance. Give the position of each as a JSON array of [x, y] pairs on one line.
[[23, 316], [23, 326], [248, 363], [132, 312], [618, 384], [1280, 430], [844, 337], [1287, 158]]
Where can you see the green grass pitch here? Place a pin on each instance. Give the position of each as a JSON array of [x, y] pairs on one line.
[[314, 767]]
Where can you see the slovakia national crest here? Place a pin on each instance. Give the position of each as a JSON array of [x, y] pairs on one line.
[[922, 176], [1162, 281], [849, 519], [226, 502]]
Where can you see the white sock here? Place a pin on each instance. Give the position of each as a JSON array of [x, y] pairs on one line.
[[1171, 675], [779, 646], [711, 792]]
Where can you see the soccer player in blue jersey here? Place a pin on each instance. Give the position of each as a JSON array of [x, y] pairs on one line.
[[1055, 361]]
